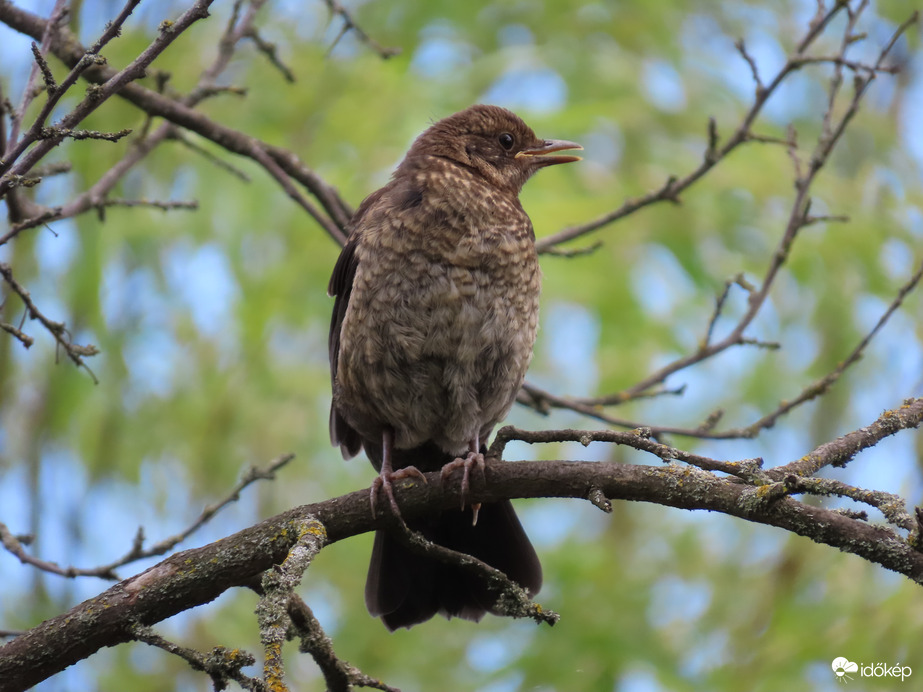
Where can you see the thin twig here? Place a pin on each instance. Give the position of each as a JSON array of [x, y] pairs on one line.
[[754, 71], [574, 252], [50, 85], [738, 280], [96, 194], [58, 13], [349, 24], [842, 450], [221, 664], [208, 156], [822, 385], [854, 65], [26, 340], [890, 505], [799, 218], [98, 95], [271, 51], [273, 168], [250, 476], [541, 400], [191, 205], [339, 674], [14, 544], [94, 198], [674, 186], [512, 600], [88, 59], [51, 169], [749, 470], [66, 133], [180, 113], [58, 330]]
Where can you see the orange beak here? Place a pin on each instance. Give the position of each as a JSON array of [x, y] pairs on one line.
[[543, 154]]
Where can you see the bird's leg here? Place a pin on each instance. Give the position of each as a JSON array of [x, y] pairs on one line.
[[387, 475], [474, 459]]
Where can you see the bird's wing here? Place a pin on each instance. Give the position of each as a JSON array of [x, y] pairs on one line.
[[340, 286], [341, 283]]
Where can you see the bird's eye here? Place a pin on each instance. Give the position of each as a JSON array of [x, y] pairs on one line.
[[506, 140]]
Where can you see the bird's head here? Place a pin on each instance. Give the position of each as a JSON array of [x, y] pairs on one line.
[[493, 143]]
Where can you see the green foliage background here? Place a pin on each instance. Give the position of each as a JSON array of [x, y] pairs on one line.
[[212, 326]]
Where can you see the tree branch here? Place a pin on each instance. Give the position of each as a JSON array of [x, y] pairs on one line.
[[58, 330], [674, 185], [19, 165], [221, 664], [340, 675], [194, 577], [349, 24], [138, 552], [799, 218], [67, 48]]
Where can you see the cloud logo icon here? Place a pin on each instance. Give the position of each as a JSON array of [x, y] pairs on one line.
[[841, 666]]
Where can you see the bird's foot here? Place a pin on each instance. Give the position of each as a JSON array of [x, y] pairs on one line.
[[470, 461], [384, 482]]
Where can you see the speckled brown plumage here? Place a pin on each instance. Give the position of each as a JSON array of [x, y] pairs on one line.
[[435, 316]]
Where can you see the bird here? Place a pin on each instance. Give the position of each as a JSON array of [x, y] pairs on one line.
[[436, 302]]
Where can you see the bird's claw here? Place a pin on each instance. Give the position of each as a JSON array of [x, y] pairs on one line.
[[471, 460], [384, 481]]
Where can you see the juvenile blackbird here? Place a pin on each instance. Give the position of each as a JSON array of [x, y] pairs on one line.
[[435, 316]]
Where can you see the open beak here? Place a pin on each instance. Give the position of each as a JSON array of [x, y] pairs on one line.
[[543, 155]]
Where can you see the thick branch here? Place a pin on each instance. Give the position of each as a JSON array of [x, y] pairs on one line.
[[194, 577]]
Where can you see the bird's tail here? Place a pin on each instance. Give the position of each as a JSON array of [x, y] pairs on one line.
[[405, 588]]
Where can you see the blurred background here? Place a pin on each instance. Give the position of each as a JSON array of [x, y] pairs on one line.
[[212, 326]]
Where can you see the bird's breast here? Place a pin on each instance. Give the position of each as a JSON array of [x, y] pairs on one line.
[[435, 345]]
